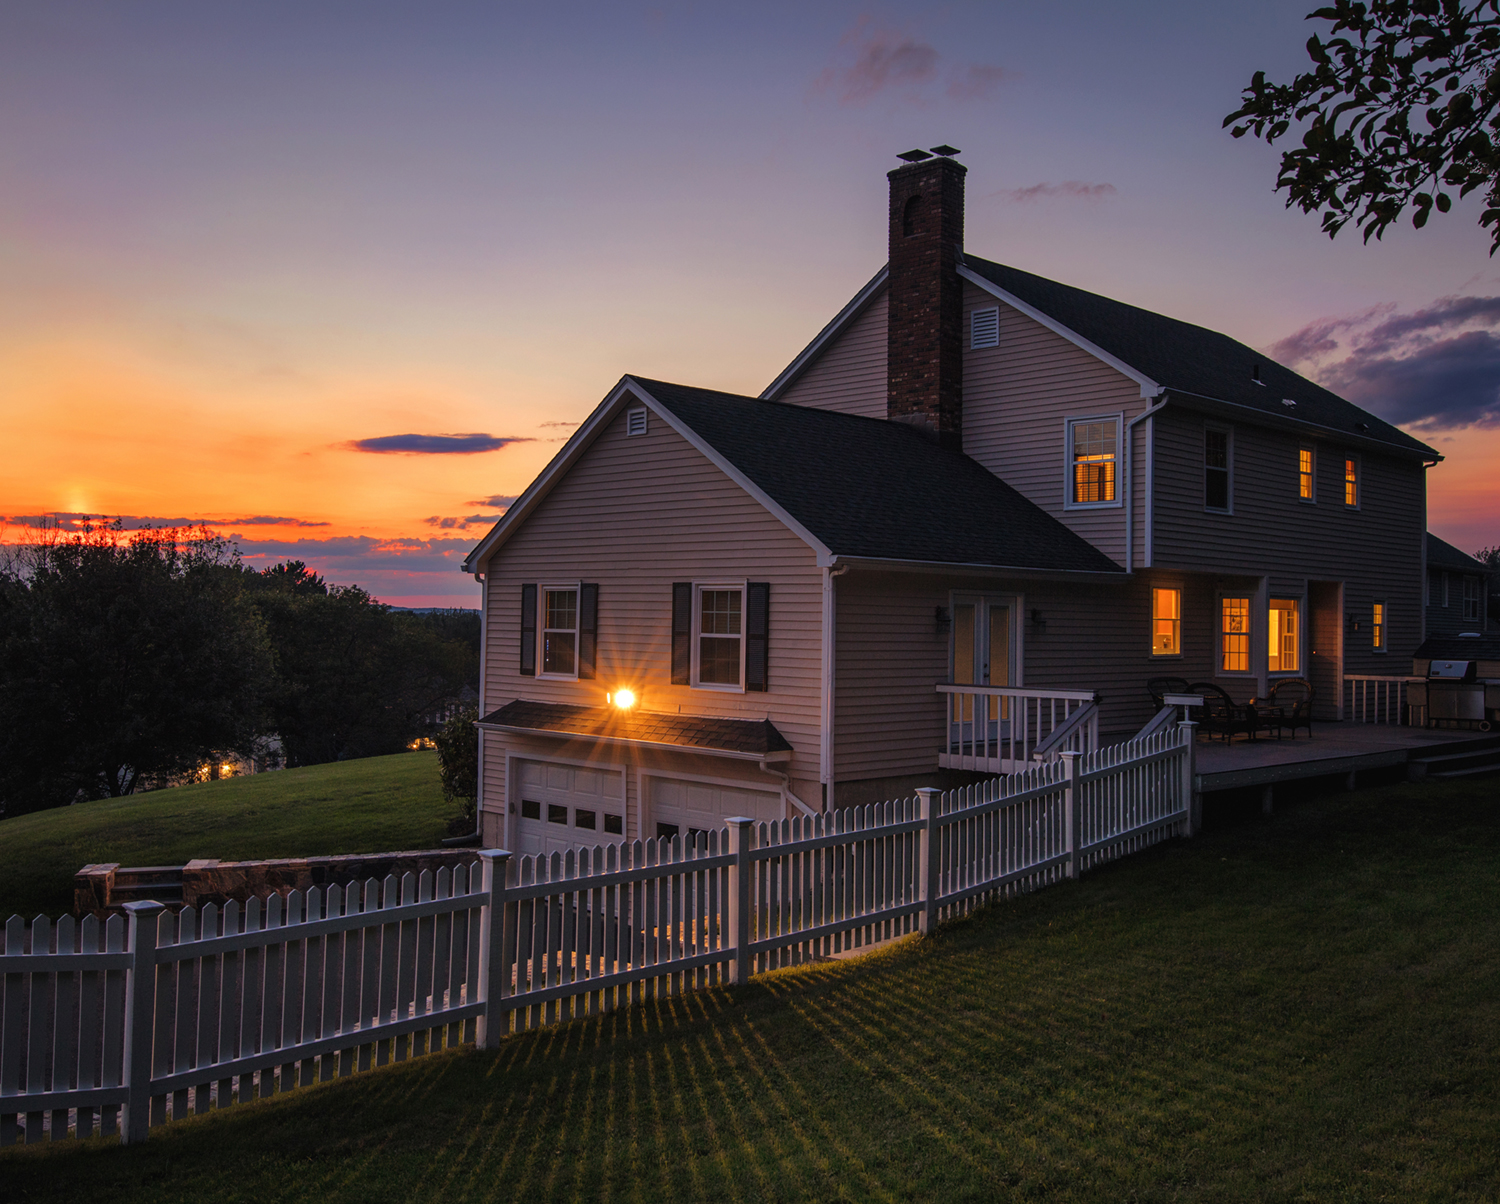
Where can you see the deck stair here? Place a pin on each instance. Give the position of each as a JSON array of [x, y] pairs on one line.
[[1472, 758]]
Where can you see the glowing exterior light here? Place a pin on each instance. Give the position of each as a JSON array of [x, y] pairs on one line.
[[624, 699]]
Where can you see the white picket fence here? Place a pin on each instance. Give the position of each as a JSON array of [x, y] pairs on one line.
[[119, 1026]]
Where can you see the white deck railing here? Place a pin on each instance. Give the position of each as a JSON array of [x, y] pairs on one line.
[[120, 1026], [995, 729], [1381, 700]]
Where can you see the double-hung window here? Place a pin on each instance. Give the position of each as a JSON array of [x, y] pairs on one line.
[[1218, 469], [560, 631], [1093, 455], [1234, 635], [1378, 620], [1351, 481], [1166, 622], [719, 636], [1307, 478], [1471, 599]]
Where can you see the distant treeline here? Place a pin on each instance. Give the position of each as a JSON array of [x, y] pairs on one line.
[[134, 660]]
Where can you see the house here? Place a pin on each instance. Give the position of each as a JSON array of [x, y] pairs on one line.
[[977, 500], [1456, 590]]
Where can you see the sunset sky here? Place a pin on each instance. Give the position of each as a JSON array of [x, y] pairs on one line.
[[339, 277]]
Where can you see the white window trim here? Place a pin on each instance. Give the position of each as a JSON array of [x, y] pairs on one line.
[[1118, 418], [1477, 599], [541, 628], [1384, 646], [1302, 653], [1227, 431], [1359, 481], [1305, 501], [1167, 656], [1219, 670], [743, 586]]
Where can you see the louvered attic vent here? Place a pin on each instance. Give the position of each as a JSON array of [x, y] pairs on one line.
[[635, 422], [984, 327]]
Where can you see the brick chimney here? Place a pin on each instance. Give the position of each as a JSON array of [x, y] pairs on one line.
[[924, 336]]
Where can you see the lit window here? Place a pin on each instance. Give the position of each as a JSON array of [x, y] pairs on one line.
[[1216, 469], [1377, 627], [1283, 637], [560, 632], [1234, 635], [1351, 481], [1471, 598], [1166, 622], [1093, 451], [1305, 475], [720, 636]]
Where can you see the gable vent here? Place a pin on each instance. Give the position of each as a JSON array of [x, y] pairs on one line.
[[635, 422], [984, 327]]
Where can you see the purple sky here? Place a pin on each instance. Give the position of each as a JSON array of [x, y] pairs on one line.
[[353, 263]]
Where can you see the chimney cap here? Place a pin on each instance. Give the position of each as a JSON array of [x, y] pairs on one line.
[[945, 150], [914, 156]]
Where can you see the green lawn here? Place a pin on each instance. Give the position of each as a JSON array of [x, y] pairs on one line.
[[365, 806], [1304, 1009]]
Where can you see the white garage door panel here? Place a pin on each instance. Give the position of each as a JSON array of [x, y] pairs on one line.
[[561, 807], [701, 806]]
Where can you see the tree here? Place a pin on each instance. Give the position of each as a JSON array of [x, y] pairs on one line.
[[458, 760], [1402, 105], [123, 661]]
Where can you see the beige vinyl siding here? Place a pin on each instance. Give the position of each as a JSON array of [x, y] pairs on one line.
[[1018, 397], [636, 514], [1375, 550], [849, 375]]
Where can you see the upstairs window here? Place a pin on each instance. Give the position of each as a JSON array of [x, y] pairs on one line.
[[1351, 481], [721, 635], [1093, 447], [1166, 622], [1377, 627], [1471, 599], [560, 632], [1283, 637], [1218, 452], [1234, 635], [1307, 483]]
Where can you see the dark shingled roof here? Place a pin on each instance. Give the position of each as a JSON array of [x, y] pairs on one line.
[[1188, 358], [758, 737], [1443, 555], [1485, 647], [868, 487]]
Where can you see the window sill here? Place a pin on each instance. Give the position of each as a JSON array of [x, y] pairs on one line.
[[557, 677], [1093, 505], [717, 687]]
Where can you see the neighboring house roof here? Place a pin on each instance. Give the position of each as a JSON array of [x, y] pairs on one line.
[[1443, 555], [1459, 648], [707, 733], [1185, 358], [870, 488]]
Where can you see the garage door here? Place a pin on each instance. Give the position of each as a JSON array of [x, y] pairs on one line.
[[680, 808], [562, 807]]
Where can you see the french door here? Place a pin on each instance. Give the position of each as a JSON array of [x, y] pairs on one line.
[[984, 635]]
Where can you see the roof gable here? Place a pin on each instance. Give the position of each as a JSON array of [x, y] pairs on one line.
[[1443, 555]]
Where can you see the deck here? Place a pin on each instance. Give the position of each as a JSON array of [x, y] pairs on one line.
[[1335, 748]]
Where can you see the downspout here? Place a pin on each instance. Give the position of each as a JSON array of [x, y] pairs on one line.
[[476, 837], [1130, 478], [825, 753], [786, 787]]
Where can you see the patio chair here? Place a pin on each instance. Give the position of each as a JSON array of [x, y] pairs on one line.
[[1220, 714], [1159, 687], [1293, 697]]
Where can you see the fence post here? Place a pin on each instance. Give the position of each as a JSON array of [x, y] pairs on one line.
[[140, 1018], [740, 879], [1072, 810], [929, 866], [1191, 800], [493, 973]]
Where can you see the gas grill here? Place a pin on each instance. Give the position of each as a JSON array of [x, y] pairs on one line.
[[1457, 689]]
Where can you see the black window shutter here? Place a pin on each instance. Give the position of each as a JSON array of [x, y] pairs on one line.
[[528, 631], [682, 632], [757, 635], [588, 628]]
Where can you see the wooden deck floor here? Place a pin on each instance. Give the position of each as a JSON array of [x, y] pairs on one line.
[[1334, 748]]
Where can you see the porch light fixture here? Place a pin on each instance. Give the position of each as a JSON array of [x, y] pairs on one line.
[[942, 618], [622, 699]]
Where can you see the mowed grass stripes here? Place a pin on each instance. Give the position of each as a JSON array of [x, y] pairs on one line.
[[1305, 1009]]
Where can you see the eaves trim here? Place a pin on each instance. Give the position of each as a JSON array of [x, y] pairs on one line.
[[1149, 387], [814, 349]]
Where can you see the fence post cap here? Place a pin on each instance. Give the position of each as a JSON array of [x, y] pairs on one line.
[[1069, 754], [739, 821], [143, 907], [929, 790], [494, 854]]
